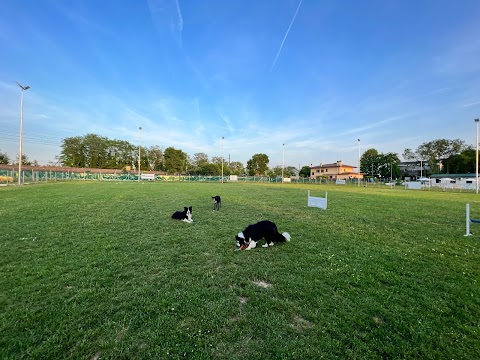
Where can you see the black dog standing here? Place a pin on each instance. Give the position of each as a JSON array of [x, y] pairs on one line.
[[217, 202]]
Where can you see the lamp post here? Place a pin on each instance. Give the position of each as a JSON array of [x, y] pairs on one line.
[[358, 179], [21, 126], [476, 157], [139, 147], [222, 156], [283, 159]]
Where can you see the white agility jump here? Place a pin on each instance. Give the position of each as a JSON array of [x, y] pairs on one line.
[[317, 201], [468, 220]]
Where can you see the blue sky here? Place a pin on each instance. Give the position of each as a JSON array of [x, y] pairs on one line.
[[315, 75]]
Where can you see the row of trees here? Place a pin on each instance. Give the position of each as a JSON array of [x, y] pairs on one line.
[[4, 159], [378, 164], [441, 155], [94, 151]]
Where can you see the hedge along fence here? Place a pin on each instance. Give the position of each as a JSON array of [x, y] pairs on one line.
[[32, 176]]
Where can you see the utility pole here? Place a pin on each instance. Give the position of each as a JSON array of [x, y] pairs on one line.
[[358, 179], [139, 146], [21, 126], [222, 157]]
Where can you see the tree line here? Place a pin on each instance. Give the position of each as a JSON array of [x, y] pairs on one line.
[[441, 156], [94, 151]]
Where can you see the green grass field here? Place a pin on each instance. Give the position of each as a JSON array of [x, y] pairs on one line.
[[99, 270]]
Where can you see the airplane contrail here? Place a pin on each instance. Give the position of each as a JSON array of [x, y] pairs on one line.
[[285, 37]]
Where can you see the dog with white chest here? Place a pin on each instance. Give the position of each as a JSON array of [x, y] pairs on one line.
[[217, 202], [185, 215], [253, 233]]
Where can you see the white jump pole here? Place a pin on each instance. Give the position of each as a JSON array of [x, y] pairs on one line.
[[468, 233]]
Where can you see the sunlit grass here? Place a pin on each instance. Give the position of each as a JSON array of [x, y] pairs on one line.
[[94, 269]]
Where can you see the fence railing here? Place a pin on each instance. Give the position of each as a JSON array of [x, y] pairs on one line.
[[8, 177]]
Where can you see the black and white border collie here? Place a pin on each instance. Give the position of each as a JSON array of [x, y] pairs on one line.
[[185, 215], [217, 202], [263, 229]]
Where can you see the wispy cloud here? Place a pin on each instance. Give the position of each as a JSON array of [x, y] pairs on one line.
[[167, 16], [286, 34], [471, 104], [180, 18]]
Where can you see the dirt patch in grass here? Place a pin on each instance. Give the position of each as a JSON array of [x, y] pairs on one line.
[[262, 284], [378, 321], [300, 323]]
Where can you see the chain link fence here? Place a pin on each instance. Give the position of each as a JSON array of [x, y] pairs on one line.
[[10, 177]]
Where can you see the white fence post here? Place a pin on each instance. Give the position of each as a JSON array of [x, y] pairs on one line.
[[467, 211]]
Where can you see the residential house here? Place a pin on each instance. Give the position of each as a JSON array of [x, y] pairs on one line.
[[335, 171]]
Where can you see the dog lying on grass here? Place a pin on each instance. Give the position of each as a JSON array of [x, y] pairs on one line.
[[266, 229], [185, 215]]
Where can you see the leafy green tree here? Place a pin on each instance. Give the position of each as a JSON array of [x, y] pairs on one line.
[[305, 172], [25, 160], [410, 155], [4, 158], [258, 164], [464, 162], [73, 152], [95, 151], [370, 162], [435, 151], [276, 171], [198, 161], [290, 171], [217, 161], [125, 154], [378, 164], [209, 169], [236, 168], [92, 151], [174, 160], [388, 165], [155, 157]]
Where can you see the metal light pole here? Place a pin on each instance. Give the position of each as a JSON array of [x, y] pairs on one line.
[[283, 159], [21, 126], [222, 157], [139, 146], [476, 157], [358, 179]]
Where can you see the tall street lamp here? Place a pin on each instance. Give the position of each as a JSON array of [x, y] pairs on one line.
[[476, 158], [283, 159], [139, 147], [222, 157], [358, 179], [21, 125]]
